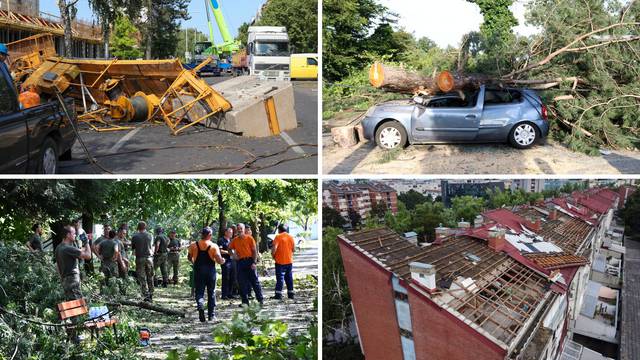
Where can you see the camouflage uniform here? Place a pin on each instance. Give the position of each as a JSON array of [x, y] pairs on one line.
[[174, 258], [107, 251], [67, 259], [161, 259], [142, 243]]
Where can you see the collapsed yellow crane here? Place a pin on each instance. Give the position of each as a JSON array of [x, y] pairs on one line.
[[125, 90]]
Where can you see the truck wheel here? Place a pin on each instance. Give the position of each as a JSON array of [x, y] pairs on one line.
[[48, 161], [524, 135], [391, 135]]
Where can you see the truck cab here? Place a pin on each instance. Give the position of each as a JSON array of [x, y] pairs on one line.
[[32, 140], [268, 51]]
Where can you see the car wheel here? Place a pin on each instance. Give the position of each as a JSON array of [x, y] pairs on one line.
[[523, 135], [48, 162], [391, 135]]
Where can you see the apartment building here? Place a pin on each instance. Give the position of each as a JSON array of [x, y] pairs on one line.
[[515, 286], [359, 197]]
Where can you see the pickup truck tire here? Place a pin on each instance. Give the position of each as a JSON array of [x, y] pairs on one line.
[[391, 135], [524, 135], [48, 160]]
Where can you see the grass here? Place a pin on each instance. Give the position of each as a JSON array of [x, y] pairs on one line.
[[389, 155]]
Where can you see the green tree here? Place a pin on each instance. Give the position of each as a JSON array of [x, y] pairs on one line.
[[161, 26], [466, 207], [354, 218], [411, 199], [378, 209], [336, 300], [243, 34], [631, 214], [301, 19], [401, 222], [332, 218], [347, 24], [123, 43]]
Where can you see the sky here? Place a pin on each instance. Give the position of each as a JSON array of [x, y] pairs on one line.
[[446, 21], [235, 12]]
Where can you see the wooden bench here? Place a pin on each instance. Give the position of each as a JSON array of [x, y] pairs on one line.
[[70, 310]]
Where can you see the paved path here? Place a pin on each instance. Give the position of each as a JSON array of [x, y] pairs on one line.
[[178, 333], [630, 326]]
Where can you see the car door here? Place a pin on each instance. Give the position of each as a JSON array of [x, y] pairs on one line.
[[447, 119], [311, 68], [501, 108], [40, 121], [13, 132]]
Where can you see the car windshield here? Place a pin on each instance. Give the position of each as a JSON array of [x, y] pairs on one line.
[[274, 48]]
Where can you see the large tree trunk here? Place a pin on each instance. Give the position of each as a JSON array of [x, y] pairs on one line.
[[106, 32], [149, 30], [66, 10], [396, 79], [222, 219]]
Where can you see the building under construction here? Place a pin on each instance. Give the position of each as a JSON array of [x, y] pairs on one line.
[[20, 19]]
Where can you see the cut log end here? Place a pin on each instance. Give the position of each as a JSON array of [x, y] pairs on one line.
[[344, 136], [376, 75]]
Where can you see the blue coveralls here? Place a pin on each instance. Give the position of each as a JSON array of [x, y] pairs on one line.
[[204, 271], [248, 279], [228, 269]]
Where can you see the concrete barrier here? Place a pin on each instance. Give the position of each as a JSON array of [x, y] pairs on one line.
[[248, 116]]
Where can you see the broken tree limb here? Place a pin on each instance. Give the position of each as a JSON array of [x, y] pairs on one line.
[[148, 306]]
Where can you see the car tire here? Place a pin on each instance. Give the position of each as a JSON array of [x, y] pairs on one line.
[[48, 160], [524, 135], [391, 135]]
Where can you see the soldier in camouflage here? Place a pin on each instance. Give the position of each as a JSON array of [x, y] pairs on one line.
[[142, 245], [174, 255], [161, 260], [109, 254], [67, 256]]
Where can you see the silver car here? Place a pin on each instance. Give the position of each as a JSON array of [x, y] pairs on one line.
[[515, 116]]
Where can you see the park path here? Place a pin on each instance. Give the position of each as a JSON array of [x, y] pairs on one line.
[[179, 333]]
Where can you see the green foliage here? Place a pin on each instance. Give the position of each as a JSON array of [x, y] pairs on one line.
[[123, 43], [631, 213], [401, 222], [335, 291], [163, 26], [467, 207], [411, 199], [301, 19], [30, 287], [332, 218], [243, 34]]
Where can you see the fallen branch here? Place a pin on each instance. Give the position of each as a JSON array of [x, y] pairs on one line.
[[569, 47], [147, 306]]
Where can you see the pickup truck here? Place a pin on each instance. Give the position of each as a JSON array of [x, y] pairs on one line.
[[32, 140]]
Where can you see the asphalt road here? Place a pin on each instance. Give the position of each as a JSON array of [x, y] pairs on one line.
[[151, 149]]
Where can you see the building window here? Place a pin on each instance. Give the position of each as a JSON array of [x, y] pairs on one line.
[[400, 296]]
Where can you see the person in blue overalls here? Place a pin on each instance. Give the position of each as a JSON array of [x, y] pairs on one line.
[[204, 255], [228, 268]]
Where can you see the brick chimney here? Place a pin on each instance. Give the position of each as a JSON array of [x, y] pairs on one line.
[[534, 224], [441, 233], [496, 240], [424, 274], [553, 214], [478, 221]]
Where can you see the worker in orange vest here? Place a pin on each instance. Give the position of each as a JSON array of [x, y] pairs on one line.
[[245, 250], [282, 250], [204, 255], [29, 98]]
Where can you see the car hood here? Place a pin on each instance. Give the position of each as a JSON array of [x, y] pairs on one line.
[[394, 106]]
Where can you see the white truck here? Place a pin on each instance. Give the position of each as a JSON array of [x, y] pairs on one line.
[[268, 52]]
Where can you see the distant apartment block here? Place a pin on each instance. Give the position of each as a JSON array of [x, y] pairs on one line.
[[517, 285], [359, 197]]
